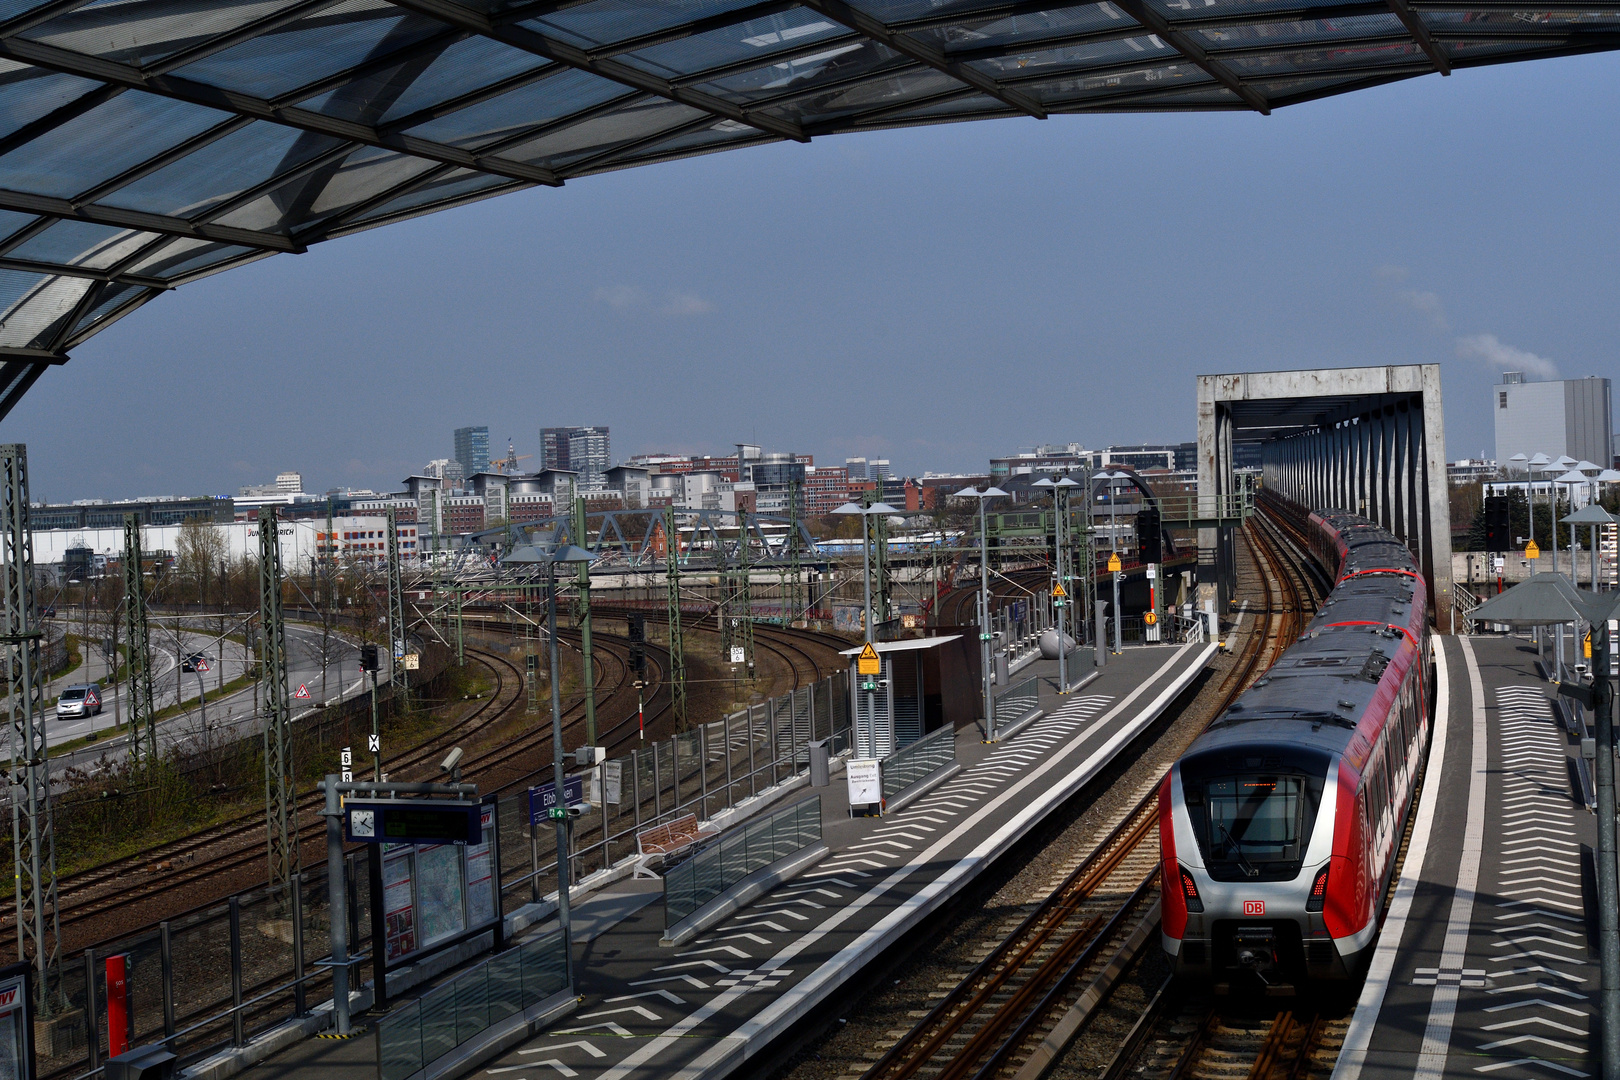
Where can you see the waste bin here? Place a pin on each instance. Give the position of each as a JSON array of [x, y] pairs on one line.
[[821, 763], [153, 1062]]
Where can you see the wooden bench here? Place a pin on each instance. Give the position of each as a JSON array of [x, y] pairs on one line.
[[664, 840]]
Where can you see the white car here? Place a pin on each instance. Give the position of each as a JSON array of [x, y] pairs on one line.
[[81, 700]]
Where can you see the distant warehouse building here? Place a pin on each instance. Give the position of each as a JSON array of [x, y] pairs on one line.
[[1572, 417], [95, 514]]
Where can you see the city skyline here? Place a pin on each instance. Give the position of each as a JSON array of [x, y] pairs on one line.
[[877, 336]]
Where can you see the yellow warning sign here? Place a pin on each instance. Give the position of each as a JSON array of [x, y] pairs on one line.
[[1151, 617], [1057, 591], [1113, 564], [1532, 550], [868, 663], [1586, 644]]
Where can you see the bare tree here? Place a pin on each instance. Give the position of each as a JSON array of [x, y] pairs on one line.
[[199, 550]]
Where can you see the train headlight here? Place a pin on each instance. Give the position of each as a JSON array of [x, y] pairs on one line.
[[1314, 901], [1189, 891]]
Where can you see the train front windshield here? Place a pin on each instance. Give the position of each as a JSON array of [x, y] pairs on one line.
[[1252, 824], [1255, 818]]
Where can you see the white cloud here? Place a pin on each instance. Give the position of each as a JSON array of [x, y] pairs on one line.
[[1498, 356], [1426, 304], [685, 303], [619, 297]]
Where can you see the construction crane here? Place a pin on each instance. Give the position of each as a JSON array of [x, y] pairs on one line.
[[509, 463]]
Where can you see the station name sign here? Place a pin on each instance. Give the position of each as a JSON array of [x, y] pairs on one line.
[[412, 821]]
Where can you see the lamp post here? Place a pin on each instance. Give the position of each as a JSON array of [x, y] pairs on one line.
[[1113, 552], [530, 555], [985, 640], [1060, 543], [866, 600]]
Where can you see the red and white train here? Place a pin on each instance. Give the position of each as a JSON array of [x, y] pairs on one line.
[[1278, 827]]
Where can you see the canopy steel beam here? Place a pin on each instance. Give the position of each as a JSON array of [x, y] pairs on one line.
[[1420, 33], [924, 53], [1195, 53], [520, 37]]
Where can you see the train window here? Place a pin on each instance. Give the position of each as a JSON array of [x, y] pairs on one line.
[[1256, 822]]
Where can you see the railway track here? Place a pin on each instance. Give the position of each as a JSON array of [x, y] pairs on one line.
[[1018, 1010], [102, 902], [109, 900]]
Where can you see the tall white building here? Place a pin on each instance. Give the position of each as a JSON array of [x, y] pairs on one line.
[[1573, 417]]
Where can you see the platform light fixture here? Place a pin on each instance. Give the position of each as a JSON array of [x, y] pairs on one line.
[[551, 557], [985, 643]]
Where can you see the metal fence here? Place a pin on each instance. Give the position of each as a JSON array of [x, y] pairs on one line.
[[923, 758], [736, 853], [1017, 702], [418, 1033], [221, 975], [704, 771]]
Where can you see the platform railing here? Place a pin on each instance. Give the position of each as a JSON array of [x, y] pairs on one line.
[[918, 761], [706, 771], [736, 853], [1017, 702], [418, 1033]]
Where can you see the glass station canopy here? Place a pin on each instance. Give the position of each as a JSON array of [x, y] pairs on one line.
[[146, 143]]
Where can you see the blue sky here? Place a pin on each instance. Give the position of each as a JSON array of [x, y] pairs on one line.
[[932, 295]]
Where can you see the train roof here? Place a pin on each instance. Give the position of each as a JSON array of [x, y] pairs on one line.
[[1324, 683]]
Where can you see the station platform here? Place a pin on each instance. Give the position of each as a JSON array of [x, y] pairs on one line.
[[705, 1008], [1487, 963]]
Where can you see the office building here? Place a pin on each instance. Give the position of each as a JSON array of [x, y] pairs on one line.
[[1565, 417], [878, 469], [856, 467], [472, 449], [583, 450]]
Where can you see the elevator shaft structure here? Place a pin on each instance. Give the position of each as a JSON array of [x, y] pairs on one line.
[[32, 836], [143, 745], [280, 811]]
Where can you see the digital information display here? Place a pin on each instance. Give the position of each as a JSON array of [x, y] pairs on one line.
[[414, 821]]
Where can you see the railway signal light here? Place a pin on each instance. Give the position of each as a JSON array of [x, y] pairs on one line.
[[637, 627], [1149, 537], [1498, 531], [368, 658]]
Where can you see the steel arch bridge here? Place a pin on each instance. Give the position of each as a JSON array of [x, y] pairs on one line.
[[147, 143]]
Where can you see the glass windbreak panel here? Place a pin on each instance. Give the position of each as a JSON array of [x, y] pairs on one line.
[[28, 93], [12, 8], [1201, 98], [34, 304], [1303, 31], [1029, 28], [1076, 57], [878, 93], [718, 48], [425, 79], [1165, 77], [12, 222], [109, 139], [299, 203], [891, 11], [140, 32], [523, 109], [718, 136], [1203, 9], [178, 264], [1306, 61], [455, 184], [606, 21], [962, 106], [114, 299], [1522, 21], [312, 48], [222, 170], [81, 243], [626, 125], [836, 64]]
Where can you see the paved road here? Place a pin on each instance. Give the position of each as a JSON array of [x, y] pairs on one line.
[[232, 716]]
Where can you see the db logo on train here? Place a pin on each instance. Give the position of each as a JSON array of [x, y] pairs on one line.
[[1254, 907]]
